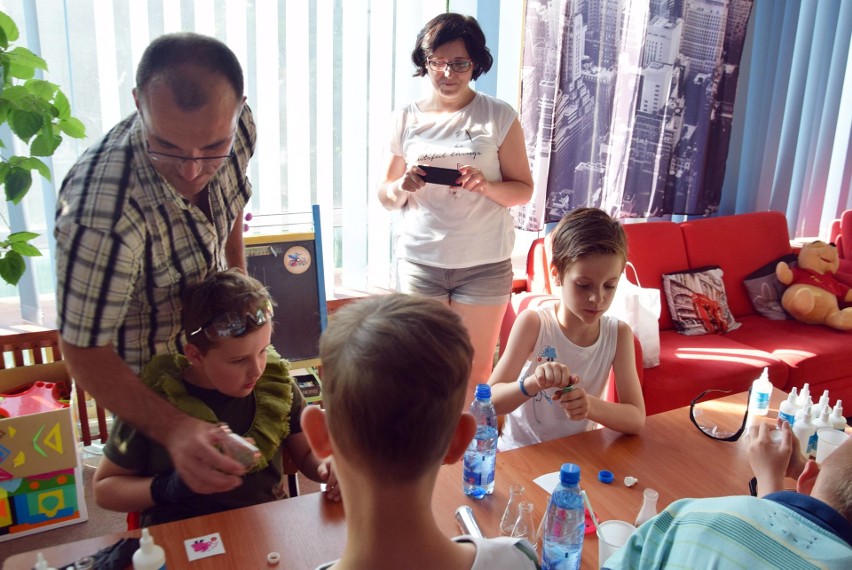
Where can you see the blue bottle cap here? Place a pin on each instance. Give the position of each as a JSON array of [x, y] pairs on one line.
[[483, 392], [569, 474], [605, 476]]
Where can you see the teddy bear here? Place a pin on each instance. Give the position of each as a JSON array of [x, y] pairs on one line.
[[813, 294]]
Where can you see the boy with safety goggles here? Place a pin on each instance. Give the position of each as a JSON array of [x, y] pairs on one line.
[[229, 375]]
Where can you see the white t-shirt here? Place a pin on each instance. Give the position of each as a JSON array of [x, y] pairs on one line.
[[447, 228], [538, 420]]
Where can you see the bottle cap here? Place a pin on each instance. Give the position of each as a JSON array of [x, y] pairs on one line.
[[483, 392], [569, 474], [629, 481], [605, 476]]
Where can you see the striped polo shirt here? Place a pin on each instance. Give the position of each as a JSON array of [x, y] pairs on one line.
[[128, 244]]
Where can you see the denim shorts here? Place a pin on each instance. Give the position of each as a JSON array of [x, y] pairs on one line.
[[489, 284]]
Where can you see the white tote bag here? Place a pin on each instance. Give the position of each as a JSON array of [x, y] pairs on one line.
[[640, 308]]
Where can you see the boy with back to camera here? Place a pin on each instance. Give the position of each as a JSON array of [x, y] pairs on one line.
[[395, 372], [571, 344], [229, 373]]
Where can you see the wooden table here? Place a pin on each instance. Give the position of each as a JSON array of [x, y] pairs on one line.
[[670, 455]]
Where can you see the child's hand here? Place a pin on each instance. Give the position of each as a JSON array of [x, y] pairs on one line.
[[769, 461], [326, 473], [552, 375], [575, 402]]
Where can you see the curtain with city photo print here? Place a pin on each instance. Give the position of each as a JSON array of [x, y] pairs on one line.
[[627, 105]]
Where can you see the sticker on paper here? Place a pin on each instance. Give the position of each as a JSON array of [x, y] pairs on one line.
[[204, 546], [297, 259]]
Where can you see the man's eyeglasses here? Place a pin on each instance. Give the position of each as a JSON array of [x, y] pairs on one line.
[[456, 66], [207, 163], [233, 324], [713, 422]]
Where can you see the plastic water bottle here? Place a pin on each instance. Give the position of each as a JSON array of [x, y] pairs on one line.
[[787, 409], [481, 456], [564, 524], [805, 432], [836, 418], [761, 390], [149, 556]]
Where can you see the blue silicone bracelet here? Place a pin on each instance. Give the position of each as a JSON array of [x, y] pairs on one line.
[[523, 390]]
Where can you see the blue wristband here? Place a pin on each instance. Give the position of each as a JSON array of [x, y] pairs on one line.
[[523, 390]]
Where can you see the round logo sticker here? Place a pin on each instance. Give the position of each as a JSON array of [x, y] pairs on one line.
[[297, 259]]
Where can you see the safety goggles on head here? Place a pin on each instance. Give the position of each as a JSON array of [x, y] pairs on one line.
[[233, 324]]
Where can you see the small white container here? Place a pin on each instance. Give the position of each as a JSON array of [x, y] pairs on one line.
[[836, 418], [761, 390], [805, 432], [787, 410], [149, 556]]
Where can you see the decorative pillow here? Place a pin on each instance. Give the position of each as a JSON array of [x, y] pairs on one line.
[[698, 302], [765, 290]]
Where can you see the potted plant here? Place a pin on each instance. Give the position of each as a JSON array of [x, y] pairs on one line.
[[38, 113]]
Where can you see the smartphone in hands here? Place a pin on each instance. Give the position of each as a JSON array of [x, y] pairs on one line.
[[437, 175]]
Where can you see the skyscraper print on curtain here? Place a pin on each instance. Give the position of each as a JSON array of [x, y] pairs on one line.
[[627, 104]]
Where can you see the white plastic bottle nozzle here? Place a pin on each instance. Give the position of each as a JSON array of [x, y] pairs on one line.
[[836, 418], [823, 402], [149, 556], [805, 432], [761, 390], [822, 420], [787, 409], [41, 563], [804, 394]]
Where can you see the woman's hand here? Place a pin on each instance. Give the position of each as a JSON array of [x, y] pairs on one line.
[[412, 179], [473, 180]]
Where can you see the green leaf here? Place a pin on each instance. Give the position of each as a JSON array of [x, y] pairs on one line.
[[4, 171], [23, 62], [73, 127], [25, 123], [16, 94], [63, 107], [12, 267], [26, 249], [18, 183], [4, 41], [19, 237], [41, 88], [33, 163], [9, 27], [45, 143]]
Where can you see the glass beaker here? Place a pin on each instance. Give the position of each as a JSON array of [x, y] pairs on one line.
[[524, 525], [649, 507], [510, 515]]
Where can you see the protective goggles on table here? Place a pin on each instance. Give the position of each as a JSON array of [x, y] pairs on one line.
[[718, 420], [233, 324]]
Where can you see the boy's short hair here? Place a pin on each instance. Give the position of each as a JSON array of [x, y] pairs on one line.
[[586, 231], [395, 371], [229, 291]]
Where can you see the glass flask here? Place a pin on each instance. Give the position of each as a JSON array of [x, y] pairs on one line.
[[510, 515]]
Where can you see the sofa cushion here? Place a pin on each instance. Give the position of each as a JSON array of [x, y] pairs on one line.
[[655, 248], [765, 290], [697, 301], [691, 364], [738, 244], [814, 353]]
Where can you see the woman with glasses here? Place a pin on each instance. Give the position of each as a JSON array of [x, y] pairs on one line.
[[456, 235]]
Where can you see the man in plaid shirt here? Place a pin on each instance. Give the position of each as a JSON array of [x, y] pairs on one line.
[[153, 207]]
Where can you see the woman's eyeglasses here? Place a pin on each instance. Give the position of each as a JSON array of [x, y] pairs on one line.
[[716, 423], [233, 324], [456, 66]]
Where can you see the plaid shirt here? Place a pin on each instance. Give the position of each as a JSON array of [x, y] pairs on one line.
[[128, 244]]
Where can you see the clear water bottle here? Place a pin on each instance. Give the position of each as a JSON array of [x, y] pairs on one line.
[[481, 455], [564, 524]]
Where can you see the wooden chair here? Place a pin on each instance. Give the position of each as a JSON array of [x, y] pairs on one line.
[[42, 347]]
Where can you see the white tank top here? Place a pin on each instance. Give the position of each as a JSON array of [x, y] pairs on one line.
[[537, 420]]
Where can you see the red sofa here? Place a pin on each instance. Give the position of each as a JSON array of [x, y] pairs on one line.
[[794, 352]]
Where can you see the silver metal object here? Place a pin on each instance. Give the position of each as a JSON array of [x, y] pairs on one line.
[[467, 522]]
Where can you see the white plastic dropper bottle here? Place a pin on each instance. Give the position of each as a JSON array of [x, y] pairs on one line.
[[805, 432], [822, 420], [761, 389], [804, 394], [823, 402], [149, 556], [836, 419], [41, 563], [787, 409]]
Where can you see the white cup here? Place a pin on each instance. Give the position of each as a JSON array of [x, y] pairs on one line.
[[828, 439], [612, 535]]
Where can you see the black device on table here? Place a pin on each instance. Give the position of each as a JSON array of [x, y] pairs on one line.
[[437, 175]]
